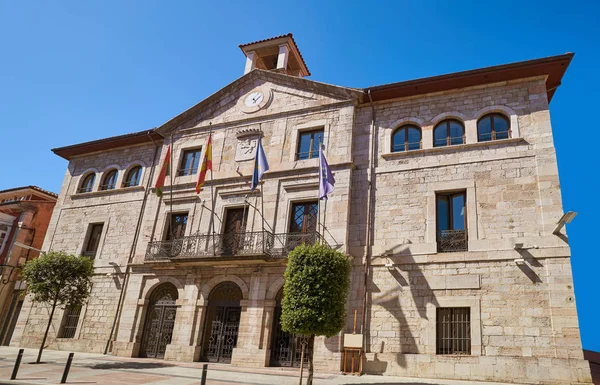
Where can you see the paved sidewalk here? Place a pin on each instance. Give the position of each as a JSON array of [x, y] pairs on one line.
[[91, 368]]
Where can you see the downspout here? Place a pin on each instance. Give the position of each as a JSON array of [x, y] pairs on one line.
[[132, 250], [368, 251]]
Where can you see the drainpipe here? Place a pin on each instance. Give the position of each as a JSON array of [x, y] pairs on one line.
[[368, 251], [132, 250]]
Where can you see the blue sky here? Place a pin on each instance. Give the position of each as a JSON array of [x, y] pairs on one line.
[[73, 71]]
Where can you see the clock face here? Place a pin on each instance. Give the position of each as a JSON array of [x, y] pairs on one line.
[[254, 99]]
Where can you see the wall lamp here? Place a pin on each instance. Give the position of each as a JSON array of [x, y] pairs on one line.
[[566, 218]]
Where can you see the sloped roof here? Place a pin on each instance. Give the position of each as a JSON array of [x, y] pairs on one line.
[[36, 188], [242, 46]]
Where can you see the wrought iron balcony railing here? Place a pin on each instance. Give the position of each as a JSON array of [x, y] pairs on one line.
[[229, 245], [452, 240]]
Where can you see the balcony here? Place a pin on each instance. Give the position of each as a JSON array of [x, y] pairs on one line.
[[452, 240], [249, 244]]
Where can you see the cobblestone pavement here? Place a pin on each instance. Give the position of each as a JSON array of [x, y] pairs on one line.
[[91, 368]]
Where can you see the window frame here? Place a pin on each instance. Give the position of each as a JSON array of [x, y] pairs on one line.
[[104, 186], [81, 188], [406, 128], [168, 222], [450, 216], [128, 176], [492, 134], [86, 252], [67, 326], [6, 233], [445, 124], [454, 325], [181, 171], [311, 150]]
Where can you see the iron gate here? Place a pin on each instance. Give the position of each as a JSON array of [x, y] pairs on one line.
[[286, 348], [222, 322], [160, 321]]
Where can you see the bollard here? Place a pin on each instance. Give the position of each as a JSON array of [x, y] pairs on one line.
[[17, 363], [204, 371], [67, 368]]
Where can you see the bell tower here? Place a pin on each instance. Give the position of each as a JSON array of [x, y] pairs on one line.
[[279, 54]]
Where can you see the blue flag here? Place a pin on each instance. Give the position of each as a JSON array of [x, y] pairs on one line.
[[326, 180], [260, 165]]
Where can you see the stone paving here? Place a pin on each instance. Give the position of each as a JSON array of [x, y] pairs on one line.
[[91, 368]]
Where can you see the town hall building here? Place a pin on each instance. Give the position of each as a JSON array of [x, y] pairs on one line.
[[447, 200]]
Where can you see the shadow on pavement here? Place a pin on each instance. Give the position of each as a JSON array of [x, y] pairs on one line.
[[128, 365], [391, 383]]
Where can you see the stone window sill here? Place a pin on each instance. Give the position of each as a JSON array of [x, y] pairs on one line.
[[455, 148], [107, 192]]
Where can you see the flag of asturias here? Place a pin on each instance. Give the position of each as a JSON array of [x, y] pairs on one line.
[[326, 180], [206, 164], [260, 165], [164, 171]]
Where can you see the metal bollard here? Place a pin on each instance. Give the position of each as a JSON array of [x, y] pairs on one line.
[[67, 368], [204, 372], [17, 363]]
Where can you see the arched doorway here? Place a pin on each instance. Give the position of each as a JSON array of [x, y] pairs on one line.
[[286, 348], [222, 322], [159, 321]]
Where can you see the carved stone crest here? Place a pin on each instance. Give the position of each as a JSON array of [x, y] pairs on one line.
[[246, 145]]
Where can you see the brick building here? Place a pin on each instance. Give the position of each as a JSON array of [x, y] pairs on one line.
[[446, 197], [24, 216]]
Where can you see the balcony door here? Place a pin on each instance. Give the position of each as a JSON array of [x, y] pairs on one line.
[[451, 222], [303, 223], [176, 226], [234, 230]]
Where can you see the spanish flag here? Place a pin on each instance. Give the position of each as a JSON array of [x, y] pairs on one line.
[[206, 164], [164, 171]]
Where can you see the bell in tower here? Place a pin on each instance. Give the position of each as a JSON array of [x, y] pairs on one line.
[[280, 54]]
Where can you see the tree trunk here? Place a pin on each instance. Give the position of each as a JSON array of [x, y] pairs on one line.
[[302, 361], [311, 342], [39, 357]]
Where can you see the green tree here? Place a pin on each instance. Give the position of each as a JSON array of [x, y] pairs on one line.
[[58, 279], [317, 279]]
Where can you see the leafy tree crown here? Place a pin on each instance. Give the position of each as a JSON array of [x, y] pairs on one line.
[[58, 277], [317, 279]]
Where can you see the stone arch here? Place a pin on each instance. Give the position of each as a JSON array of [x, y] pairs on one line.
[[505, 110], [132, 165], [85, 174], [449, 115], [148, 289], [211, 284], [404, 121], [274, 288]]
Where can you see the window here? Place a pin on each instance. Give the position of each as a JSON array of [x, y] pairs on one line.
[[406, 138], [451, 222], [448, 133], [3, 236], [133, 177], [93, 240], [70, 321], [453, 330], [308, 144], [303, 224], [176, 226], [88, 184], [110, 180], [189, 162], [493, 127]]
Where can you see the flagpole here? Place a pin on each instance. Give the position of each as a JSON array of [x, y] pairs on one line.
[[171, 191], [212, 197]]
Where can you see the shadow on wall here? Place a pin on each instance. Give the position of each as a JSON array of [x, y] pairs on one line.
[[421, 294]]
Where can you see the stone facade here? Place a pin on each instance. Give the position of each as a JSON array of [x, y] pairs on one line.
[[523, 320]]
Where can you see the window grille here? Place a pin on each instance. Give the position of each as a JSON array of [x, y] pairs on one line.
[[453, 330], [71, 319]]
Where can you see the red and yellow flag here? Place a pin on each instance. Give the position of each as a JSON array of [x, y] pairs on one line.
[[164, 171], [206, 164]]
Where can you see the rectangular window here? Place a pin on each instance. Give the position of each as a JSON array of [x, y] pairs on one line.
[[93, 240], [453, 330], [189, 162], [451, 222], [308, 144], [70, 321], [176, 226]]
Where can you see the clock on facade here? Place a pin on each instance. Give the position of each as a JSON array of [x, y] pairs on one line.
[[255, 100]]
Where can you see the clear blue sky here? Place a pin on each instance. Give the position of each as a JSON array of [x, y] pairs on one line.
[[73, 71]]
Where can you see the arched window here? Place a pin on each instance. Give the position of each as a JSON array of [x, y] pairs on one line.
[[448, 133], [88, 183], [493, 127], [133, 177], [406, 138], [110, 180]]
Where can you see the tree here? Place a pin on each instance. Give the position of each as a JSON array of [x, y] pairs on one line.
[[317, 279], [58, 279]]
